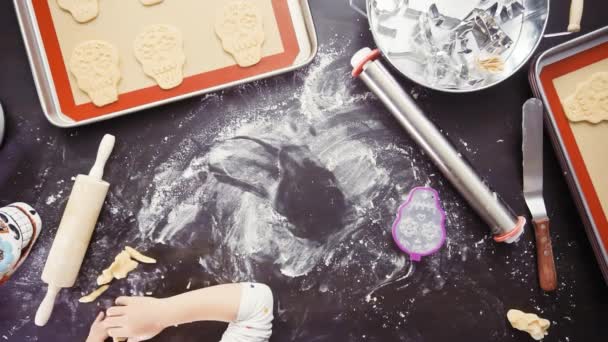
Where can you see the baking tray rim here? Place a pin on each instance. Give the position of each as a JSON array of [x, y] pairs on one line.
[[542, 61], [48, 96]]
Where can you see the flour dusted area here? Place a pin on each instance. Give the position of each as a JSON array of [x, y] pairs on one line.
[[301, 187]]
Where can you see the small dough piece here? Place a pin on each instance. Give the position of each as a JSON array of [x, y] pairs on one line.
[[118, 339], [91, 297], [136, 255], [492, 64], [537, 327], [160, 49], [105, 277], [122, 265], [95, 64], [119, 269], [150, 2], [590, 101], [82, 10], [241, 29]]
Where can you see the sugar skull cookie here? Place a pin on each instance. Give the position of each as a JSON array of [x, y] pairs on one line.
[[95, 64], [241, 30], [82, 10], [160, 50]]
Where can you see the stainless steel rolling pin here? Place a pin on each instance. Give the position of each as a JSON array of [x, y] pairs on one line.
[[505, 226]]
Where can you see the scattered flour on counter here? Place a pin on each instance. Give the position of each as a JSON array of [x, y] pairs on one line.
[[303, 189], [249, 183]]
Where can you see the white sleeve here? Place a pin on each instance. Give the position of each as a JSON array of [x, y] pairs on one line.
[[254, 319]]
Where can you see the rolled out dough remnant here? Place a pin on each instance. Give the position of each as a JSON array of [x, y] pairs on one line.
[[532, 324], [138, 256], [119, 269], [241, 29], [590, 101], [125, 262], [82, 10], [160, 50], [95, 64], [150, 2], [91, 297]]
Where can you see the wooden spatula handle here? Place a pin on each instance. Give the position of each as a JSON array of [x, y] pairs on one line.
[[547, 274]]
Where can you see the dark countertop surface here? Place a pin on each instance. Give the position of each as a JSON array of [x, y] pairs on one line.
[[294, 181]]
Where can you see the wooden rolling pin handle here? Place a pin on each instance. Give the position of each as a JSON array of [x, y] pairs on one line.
[[46, 307], [547, 274], [576, 15], [105, 149]]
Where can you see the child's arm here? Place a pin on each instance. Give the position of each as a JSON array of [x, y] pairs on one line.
[[98, 332], [146, 316]]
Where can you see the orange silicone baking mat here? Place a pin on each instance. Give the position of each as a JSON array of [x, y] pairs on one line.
[[583, 146], [207, 65]]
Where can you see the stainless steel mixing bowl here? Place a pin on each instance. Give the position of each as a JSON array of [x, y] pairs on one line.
[[533, 25]]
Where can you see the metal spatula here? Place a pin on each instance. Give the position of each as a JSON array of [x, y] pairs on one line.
[[533, 191]]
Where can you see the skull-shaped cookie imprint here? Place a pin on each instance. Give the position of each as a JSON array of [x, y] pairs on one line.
[[95, 64], [150, 2], [160, 49], [82, 10], [590, 102], [241, 30], [419, 229]]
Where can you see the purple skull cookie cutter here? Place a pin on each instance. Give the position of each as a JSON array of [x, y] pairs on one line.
[[419, 229]]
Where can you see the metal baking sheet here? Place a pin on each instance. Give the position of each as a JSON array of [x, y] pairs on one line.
[[293, 45], [553, 73]]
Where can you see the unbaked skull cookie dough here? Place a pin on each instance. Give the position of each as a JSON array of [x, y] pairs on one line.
[[95, 64], [150, 2], [240, 27], [160, 50], [532, 324], [590, 101], [82, 10]]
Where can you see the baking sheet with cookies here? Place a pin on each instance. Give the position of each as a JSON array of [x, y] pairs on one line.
[[571, 80], [52, 33]]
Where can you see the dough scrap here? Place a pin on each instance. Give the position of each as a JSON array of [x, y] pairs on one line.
[[119, 269], [150, 2], [532, 324], [95, 64], [160, 50], [82, 10], [105, 277], [122, 265], [241, 29], [493, 64], [590, 101], [91, 297], [136, 255]]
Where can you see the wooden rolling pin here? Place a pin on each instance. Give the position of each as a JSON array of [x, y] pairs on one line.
[[75, 231]]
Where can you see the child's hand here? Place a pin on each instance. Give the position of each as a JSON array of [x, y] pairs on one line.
[[135, 317], [98, 332]]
